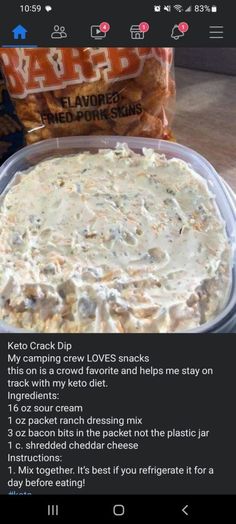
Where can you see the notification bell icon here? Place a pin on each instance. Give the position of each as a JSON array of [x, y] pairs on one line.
[[176, 33]]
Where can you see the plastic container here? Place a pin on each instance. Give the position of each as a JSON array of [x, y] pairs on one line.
[[225, 198]]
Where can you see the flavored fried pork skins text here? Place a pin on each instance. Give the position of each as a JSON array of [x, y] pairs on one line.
[[112, 242], [61, 92]]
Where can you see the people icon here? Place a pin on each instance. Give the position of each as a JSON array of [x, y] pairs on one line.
[[59, 32]]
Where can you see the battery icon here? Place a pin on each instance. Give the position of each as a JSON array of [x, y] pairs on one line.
[[214, 9]]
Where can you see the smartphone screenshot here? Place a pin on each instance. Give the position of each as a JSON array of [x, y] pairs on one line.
[[118, 261]]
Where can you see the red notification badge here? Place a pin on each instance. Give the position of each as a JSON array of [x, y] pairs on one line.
[[143, 27], [104, 27], [183, 27]]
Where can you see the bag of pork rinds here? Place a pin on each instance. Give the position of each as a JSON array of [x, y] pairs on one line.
[[91, 91], [11, 136]]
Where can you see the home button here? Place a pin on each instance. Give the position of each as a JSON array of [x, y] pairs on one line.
[[118, 510]]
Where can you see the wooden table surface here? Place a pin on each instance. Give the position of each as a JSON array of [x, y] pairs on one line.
[[206, 118]]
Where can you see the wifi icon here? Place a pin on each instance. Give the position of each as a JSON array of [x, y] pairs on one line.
[[178, 8]]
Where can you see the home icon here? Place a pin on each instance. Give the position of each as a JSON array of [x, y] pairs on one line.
[[19, 33]]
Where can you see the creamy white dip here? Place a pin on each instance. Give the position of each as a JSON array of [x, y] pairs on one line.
[[112, 242]]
